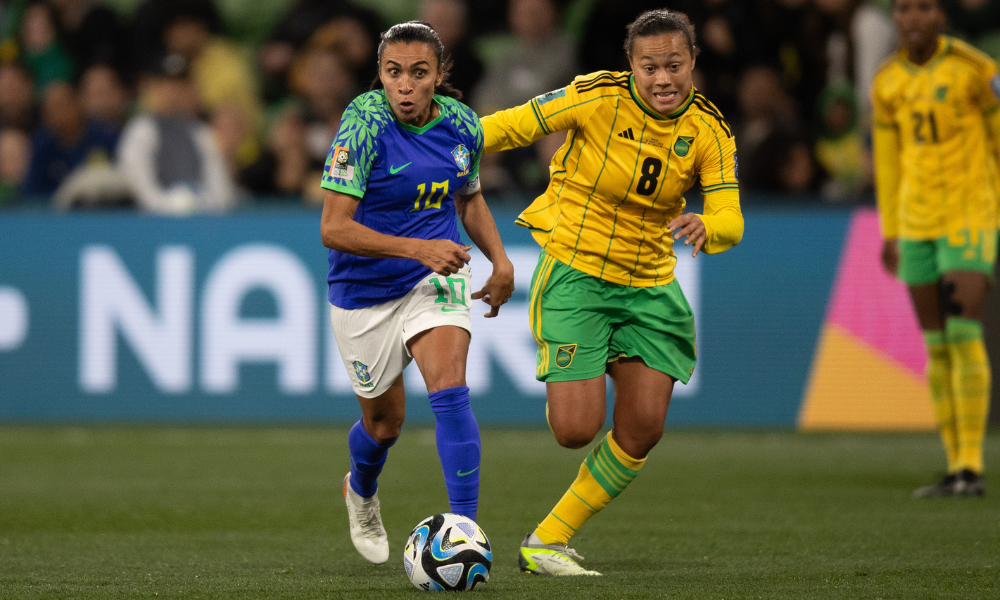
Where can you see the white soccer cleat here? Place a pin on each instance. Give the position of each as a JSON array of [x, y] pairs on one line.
[[550, 559], [367, 531]]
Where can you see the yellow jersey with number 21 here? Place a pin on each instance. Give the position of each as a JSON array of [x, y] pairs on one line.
[[935, 132]]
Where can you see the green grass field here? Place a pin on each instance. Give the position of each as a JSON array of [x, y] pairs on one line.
[[257, 513]]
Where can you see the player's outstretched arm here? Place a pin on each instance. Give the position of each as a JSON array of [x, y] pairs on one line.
[[341, 232], [479, 224]]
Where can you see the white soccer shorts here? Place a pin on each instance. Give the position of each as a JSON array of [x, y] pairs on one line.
[[373, 340]]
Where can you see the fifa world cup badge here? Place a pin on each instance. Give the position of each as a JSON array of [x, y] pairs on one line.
[[342, 165]]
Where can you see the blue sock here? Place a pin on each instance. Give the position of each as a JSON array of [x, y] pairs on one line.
[[367, 459], [458, 448]]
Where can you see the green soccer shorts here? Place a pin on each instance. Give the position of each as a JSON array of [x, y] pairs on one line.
[[924, 261], [581, 323]]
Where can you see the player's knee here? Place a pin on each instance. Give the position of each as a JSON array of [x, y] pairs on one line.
[[574, 440], [386, 429], [637, 441], [576, 435]]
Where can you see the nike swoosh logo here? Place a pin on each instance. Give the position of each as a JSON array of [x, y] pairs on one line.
[[395, 170], [461, 474]]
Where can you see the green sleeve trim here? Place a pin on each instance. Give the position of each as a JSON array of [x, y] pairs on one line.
[[343, 189], [538, 115], [719, 188]]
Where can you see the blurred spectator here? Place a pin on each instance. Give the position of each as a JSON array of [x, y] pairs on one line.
[[15, 152], [145, 30], [64, 142], [601, 47], [44, 53], [221, 71], [104, 96], [977, 21], [774, 150], [170, 157], [321, 77], [874, 37], [358, 27], [840, 148], [93, 33], [727, 36], [17, 93], [794, 38], [450, 19], [542, 59], [10, 22], [284, 168]]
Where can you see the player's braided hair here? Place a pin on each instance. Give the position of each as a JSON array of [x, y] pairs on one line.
[[661, 20], [418, 31]]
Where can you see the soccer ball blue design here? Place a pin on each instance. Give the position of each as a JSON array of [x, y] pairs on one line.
[[447, 552]]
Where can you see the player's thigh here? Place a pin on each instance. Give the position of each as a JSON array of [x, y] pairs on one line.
[[642, 397], [659, 330], [920, 271], [370, 341], [571, 321], [967, 260], [437, 328], [963, 294], [576, 410], [927, 304]]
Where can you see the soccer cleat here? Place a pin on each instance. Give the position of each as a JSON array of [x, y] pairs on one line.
[[969, 484], [550, 559], [367, 531], [941, 489]]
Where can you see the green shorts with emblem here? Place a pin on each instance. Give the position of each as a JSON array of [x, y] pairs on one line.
[[581, 323], [925, 261]]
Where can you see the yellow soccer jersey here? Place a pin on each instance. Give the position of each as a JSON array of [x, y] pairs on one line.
[[935, 128], [620, 177]]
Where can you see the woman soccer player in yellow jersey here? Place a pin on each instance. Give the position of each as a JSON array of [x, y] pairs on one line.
[[603, 297], [936, 125]]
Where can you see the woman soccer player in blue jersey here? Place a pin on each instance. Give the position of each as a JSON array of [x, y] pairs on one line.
[[404, 162]]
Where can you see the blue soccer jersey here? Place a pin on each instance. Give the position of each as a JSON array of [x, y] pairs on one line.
[[406, 178]]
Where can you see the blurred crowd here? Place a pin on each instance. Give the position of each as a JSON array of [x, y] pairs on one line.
[[157, 104]]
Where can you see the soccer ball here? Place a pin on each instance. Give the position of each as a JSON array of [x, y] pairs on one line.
[[447, 552]]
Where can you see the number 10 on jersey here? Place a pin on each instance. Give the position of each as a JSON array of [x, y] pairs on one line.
[[432, 200]]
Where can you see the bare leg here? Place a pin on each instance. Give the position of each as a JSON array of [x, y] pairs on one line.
[[642, 396]]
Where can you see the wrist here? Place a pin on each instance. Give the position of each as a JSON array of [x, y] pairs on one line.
[[411, 248]]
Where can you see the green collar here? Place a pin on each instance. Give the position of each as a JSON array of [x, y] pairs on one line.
[[944, 45], [649, 111], [411, 128]]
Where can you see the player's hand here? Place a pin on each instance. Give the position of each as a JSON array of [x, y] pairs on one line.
[[689, 225], [890, 256], [444, 257], [498, 288]]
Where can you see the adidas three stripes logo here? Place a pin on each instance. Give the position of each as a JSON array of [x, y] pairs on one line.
[[627, 134]]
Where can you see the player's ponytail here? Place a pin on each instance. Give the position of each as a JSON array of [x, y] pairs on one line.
[[655, 22], [418, 31]]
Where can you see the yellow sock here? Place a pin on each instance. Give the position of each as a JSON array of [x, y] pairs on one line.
[[971, 386], [605, 472], [939, 381]]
